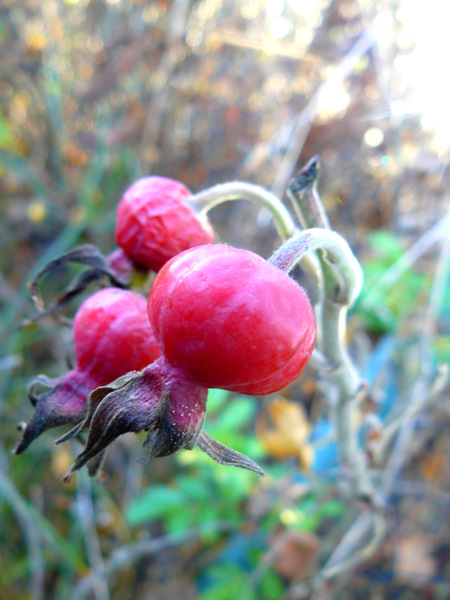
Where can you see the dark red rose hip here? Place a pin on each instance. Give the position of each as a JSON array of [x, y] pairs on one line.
[[154, 222], [112, 336], [231, 320]]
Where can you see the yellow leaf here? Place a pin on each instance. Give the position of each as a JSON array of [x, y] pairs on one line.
[[284, 430]]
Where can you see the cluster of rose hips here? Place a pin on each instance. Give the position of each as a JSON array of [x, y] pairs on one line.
[[216, 317]]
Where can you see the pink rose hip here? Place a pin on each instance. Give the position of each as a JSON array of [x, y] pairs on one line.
[[223, 318], [112, 336], [154, 222], [231, 320]]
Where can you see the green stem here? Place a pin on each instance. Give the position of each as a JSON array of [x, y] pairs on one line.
[[340, 294], [237, 190], [338, 254]]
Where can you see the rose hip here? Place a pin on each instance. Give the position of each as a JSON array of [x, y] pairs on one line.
[[112, 336], [231, 320], [154, 222], [223, 318]]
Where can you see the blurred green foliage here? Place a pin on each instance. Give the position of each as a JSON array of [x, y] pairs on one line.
[[206, 494], [383, 308], [211, 492]]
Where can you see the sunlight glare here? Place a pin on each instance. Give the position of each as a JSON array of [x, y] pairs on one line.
[[425, 67]]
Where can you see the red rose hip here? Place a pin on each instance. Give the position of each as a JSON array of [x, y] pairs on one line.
[[154, 222], [112, 336], [231, 320], [223, 318]]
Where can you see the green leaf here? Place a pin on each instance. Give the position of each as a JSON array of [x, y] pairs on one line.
[[381, 309], [234, 484], [235, 414], [154, 503], [387, 245], [332, 508], [229, 583], [194, 488], [271, 586], [178, 521], [441, 349], [208, 513]]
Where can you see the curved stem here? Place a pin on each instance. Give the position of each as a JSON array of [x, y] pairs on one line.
[[340, 283], [338, 254], [238, 190], [345, 557], [307, 204], [340, 293], [303, 192]]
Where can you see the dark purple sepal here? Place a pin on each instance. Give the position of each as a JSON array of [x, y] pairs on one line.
[[93, 401], [160, 399], [225, 455], [116, 268], [64, 403], [94, 466]]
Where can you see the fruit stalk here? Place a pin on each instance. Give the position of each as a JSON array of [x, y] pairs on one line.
[[207, 199]]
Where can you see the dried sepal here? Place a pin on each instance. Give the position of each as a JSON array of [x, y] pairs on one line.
[[159, 400], [63, 403], [94, 466], [94, 399], [226, 456], [88, 255], [43, 380], [116, 414], [167, 439], [79, 284]]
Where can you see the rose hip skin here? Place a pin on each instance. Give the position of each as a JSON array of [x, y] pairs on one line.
[[155, 223], [278, 380], [231, 320], [112, 336]]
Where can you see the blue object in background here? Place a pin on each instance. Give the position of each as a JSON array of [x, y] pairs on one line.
[[325, 461], [381, 360], [326, 457]]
